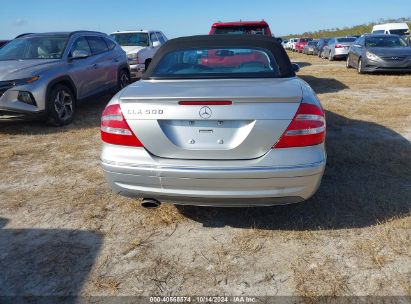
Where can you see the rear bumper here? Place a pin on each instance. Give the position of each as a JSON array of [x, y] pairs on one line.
[[341, 52], [233, 183]]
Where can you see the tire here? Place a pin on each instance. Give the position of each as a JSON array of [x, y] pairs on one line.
[[61, 106], [123, 79], [347, 63], [360, 68], [146, 64], [330, 57]]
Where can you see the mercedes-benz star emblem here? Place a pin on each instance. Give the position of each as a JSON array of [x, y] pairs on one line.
[[205, 112]]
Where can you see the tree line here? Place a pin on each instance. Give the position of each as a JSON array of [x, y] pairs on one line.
[[348, 31]]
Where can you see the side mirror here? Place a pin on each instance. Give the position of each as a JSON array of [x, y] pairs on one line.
[[79, 54], [156, 44], [296, 67]]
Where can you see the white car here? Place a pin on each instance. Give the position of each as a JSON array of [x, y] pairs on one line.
[[140, 47], [291, 41]]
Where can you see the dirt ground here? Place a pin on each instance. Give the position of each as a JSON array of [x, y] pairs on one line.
[[62, 232]]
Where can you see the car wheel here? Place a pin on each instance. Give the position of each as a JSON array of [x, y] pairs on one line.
[[123, 79], [360, 68], [347, 63], [61, 106], [330, 56], [146, 64]]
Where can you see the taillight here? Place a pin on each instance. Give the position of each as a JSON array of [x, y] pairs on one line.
[[338, 46], [115, 130], [306, 129]]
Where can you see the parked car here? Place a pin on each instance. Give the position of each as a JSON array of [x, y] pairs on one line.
[[47, 75], [199, 132], [3, 42], [241, 27], [301, 43], [293, 42], [383, 52], [290, 43], [391, 28], [337, 47], [140, 46], [318, 48], [309, 48], [284, 43]]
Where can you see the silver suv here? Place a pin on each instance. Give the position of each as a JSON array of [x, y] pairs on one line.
[[47, 75]]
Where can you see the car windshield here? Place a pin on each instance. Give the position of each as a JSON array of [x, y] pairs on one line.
[[348, 39], [385, 41], [217, 63], [241, 30], [34, 48], [131, 39]]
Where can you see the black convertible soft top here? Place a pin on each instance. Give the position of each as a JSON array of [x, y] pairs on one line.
[[225, 41]]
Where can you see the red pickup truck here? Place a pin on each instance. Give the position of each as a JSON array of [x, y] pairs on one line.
[[217, 58], [241, 27], [301, 43]]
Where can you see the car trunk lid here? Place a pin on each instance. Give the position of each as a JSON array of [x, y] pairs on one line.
[[211, 119]]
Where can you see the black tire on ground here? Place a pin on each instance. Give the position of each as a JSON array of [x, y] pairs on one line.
[[347, 63], [360, 68], [60, 105], [123, 79], [330, 57], [147, 63]]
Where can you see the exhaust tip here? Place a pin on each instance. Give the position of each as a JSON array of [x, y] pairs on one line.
[[150, 203]]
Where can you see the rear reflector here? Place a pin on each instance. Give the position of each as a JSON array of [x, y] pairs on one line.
[[115, 130], [307, 128], [338, 46], [206, 103]]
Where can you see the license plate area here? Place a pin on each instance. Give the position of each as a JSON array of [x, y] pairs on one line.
[[206, 134]]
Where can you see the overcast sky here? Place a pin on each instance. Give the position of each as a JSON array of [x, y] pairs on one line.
[[190, 17]]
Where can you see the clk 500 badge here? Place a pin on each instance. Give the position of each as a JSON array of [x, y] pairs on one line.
[[145, 112]]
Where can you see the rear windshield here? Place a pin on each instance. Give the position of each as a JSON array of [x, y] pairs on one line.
[[217, 63], [131, 39], [241, 30], [348, 39], [385, 41]]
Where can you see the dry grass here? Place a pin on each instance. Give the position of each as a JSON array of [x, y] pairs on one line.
[[107, 284], [324, 278]]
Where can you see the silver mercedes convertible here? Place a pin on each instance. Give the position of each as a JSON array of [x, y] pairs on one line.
[[216, 121]]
